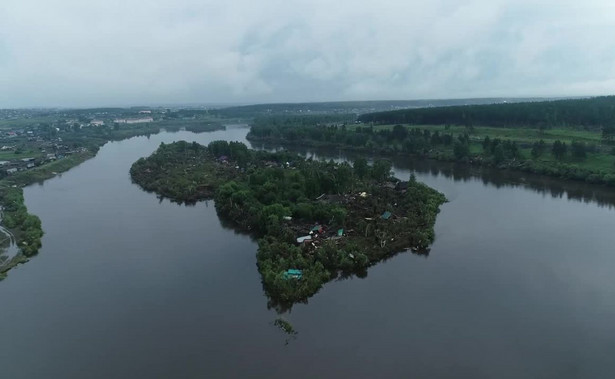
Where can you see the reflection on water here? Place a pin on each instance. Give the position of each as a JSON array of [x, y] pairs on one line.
[[557, 188]]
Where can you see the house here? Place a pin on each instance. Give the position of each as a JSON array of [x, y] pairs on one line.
[[293, 274], [133, 120], [11, 171], [316, 229], [401, 186], [304, 239]]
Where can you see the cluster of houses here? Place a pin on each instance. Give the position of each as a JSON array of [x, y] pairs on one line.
[[139, 120], [14, 166], [318, 233]]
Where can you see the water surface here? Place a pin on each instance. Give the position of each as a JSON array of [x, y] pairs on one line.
[[519, 283]]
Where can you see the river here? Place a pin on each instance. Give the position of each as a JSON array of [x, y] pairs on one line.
[[520, 282]]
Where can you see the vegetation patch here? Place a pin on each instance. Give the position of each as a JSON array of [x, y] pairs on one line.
[[568, 153], [285, 326], [315, 220]]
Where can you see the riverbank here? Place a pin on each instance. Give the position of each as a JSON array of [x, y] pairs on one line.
[[561, 153], [27, 228], [315, 220]]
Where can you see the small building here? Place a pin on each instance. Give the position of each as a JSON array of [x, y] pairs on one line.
[[401, 186], [317, 229], [11, 171], [293, 274], [133, 120], [304, 239], [386, 215]]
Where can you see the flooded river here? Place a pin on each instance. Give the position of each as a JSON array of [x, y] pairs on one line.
[[520, 282]]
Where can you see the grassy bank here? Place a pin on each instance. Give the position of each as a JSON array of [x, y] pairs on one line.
[[583, 154]]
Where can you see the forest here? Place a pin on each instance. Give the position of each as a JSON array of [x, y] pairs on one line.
[[314, 220], [563, 153], [592, 113]]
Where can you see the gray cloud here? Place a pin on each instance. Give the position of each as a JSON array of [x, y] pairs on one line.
[[111, 52]]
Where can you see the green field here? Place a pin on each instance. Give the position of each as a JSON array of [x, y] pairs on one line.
[[9, 124], [521, 135], [8, 155], [601, 160]]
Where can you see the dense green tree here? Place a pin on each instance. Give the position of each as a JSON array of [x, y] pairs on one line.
[[461, 149], [498, 154], [360, 167], [559, 149], [399, 132], [381, 170], [578, 150], [538, 148]]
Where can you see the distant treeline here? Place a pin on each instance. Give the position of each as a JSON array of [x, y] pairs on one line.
[[290, 121], [593, 113], [574, 160], [340, 107]]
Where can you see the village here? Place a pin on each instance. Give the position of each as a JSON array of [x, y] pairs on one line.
[[33, 137], [35, 149], [363, 215]]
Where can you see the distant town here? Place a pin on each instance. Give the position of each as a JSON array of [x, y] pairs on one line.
[[33, 137]]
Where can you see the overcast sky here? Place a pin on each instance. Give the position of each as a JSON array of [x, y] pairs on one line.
[[129, 52]]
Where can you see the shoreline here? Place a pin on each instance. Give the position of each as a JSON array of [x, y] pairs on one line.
[[562, 171], [28, 241]]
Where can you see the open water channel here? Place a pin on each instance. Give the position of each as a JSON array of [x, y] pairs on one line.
[[520, 282]]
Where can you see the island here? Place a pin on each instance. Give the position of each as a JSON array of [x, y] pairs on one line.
[[315, 220]]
